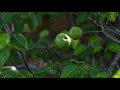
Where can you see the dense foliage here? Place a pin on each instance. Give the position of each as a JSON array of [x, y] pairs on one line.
[[59, 44]]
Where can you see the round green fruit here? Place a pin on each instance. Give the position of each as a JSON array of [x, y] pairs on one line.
[[44, 33], [75, 32], [65, 31], [62, 40]]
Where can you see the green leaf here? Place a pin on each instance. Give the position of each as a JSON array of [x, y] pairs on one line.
[[25, 73], [6, 18], [102, 75], [95, 39], [79, 49], [112, 16], [4, 55], [69, 71], [13, 74], [107, 55], [81, 17], [117, 74], [19, 42], [43, 71], [18, 26], [97, 49], [74, 43], [4, 40], [36, 19], [114, 47]]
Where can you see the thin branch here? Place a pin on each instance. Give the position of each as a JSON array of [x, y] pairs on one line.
[[113, 63], [108, 35], [116, 29], [117, 66], [113, 31], [21, 54], [102, 64], [85, 32], [42, 48], [22, 66], [23, 58]]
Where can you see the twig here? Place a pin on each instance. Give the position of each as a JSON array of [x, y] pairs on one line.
[[113, 63], [34, 67], [117, 66], [22, 66], [85, 32], [23, 58], [102, 64], [108, 35], [21, 54], [113, 31], [42, 48], [116, 58], [116, 29]]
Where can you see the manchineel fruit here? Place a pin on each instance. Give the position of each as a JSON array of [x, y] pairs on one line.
[[44, 34], [62, 40], [75, 32]]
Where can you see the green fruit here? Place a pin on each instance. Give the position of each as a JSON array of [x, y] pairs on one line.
[[62, 40], [75, 32], [44, 34], [7, 69], [65, 31]]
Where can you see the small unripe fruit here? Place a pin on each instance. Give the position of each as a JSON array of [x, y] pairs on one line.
[[75, 32], [62, 40], [44, 34]]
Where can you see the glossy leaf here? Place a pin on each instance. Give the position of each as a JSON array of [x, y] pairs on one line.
[[25, 73], [102, 75], [75, 43], [43, 71], [19, 42], [97, 49], [81, 17], [79, 49], [4, 55], [13, 74], [117, 74], [112, 16], [18, 24], [114, 47], [4, 40], [69, 71], [6, 18], [36, 19], [95, 39]]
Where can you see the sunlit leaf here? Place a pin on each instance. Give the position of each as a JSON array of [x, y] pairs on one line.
[[97, 49], [19, 42], [114, 47], [69, 71], [79, 49], [4, 40], [43, 71], [4, 55]]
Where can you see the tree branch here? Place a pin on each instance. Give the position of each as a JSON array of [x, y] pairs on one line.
[[21, 54], [108, 35], [23, 58], [113, 63]]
